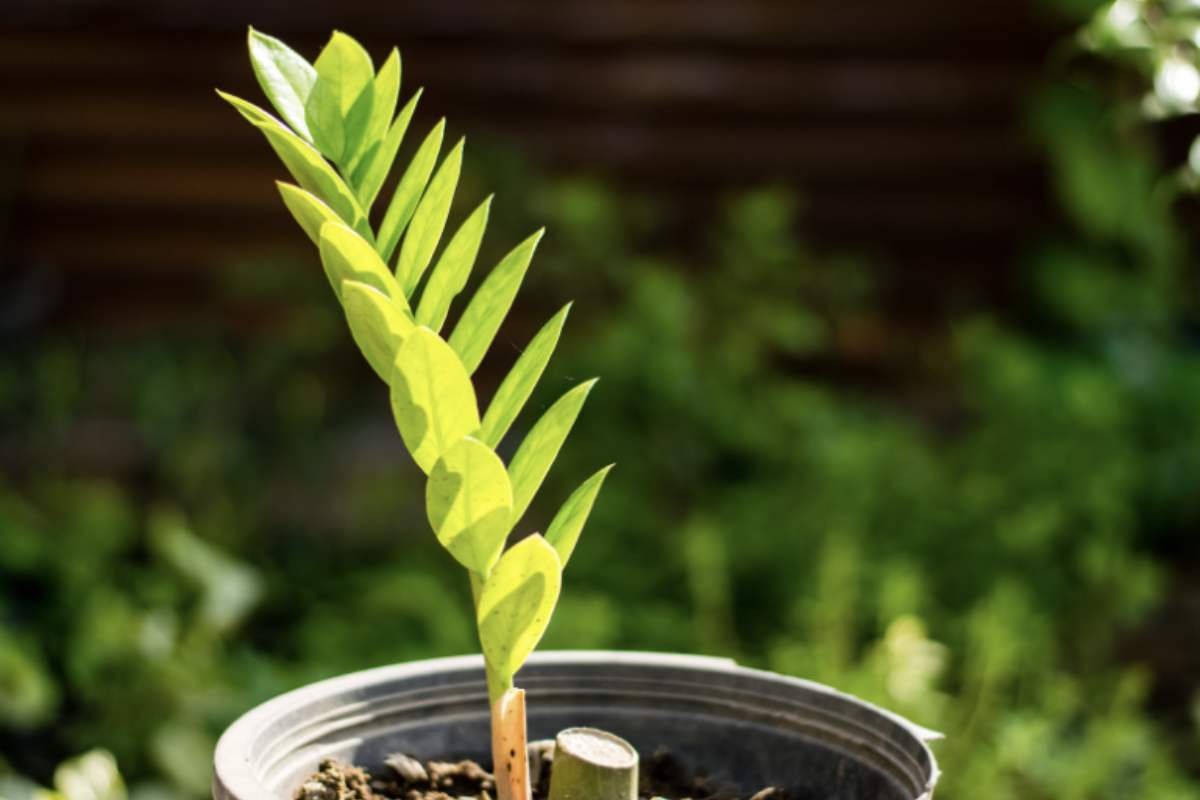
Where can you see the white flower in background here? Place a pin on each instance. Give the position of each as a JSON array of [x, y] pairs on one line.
[[1177, 83]]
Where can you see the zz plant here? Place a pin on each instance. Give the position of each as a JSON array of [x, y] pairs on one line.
[[338, 133]]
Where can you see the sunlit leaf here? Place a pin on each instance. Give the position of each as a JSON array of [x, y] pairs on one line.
[[408, 191], [425, 229], [450, 274], [469, 499], [474, 332], [568, 523], [385, 91], [378, 323], [347, 256], [286, 78], [338, 108], [305, 164], [373, 168], [433, 400], [541, 445], [514, 391], [308, 209], [516, 602]]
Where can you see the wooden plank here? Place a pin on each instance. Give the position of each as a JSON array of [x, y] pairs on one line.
[[896, 120], [814, 24]]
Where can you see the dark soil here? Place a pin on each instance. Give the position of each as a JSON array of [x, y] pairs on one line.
[[662, 776]]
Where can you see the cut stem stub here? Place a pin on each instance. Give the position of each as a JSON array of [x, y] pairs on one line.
[[591, 764], [510, 762]]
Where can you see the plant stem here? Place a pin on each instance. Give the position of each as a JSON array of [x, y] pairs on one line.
[[476, 587], [497, 685], [510, 753]]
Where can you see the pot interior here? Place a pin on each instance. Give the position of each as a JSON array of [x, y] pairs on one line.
[[744, 729]]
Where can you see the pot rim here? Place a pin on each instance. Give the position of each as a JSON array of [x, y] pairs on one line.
[[235, 772]]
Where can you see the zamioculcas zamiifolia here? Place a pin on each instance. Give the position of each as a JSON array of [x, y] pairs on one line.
[[397, 270]]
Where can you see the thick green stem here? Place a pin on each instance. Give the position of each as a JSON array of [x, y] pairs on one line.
[[497, 684], [476, 587]]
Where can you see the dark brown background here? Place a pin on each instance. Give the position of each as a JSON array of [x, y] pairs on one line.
[[898, 120]]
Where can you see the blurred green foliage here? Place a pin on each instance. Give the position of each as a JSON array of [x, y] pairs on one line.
[[193, 523]]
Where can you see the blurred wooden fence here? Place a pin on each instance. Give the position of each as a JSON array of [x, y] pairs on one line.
[[898, 120]]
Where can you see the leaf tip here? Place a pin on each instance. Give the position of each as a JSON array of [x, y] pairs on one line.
[[534, 239]]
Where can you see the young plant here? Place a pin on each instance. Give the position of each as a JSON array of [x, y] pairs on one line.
[[338, 133]]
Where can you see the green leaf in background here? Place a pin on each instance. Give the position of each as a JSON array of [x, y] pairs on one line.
[[378, 323], [385, 92], [516, 602], [541, 445], [308, 209], [91, 776], [338, 108], [408, 191], [568, 523], [29, 695], [514, 391], [428, 222], [377, 160], [450, 274], [347, 256], [469, 499], [474, 332], [285, 76], [306, 165], [433, 400], [230, 588]]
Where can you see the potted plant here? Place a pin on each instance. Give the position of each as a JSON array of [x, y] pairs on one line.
[[700, 725]]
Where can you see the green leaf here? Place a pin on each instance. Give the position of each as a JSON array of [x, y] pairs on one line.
[[537, 453], [306, 165], [373, 167], [385, 91], [514, 391], [433, 400], [450, 274], [408, 191], [428, 222], [475, 330], [338, 108], [469, 499], [516, 602], [307, 208], [378, 323], [568, 523], [348, 256], [91, 776], [285, 76]]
